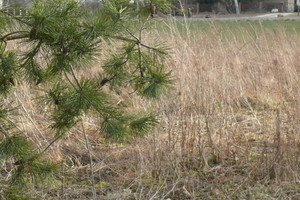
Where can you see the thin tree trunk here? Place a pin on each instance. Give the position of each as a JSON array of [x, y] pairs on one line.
[[62, 181], [237, 7], [91, 161]]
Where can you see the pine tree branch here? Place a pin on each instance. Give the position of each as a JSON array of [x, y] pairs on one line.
[[139, 47], [136, 42], [75, 78], [77, 40], [132, 35], [121, 38], [105, 81], [69, 80], [32, 54], [143, 25], [41, 153], [16, 37], [3, 49], [152, 48], [140, 60], [50, 144], [4, 131], [12, 36]]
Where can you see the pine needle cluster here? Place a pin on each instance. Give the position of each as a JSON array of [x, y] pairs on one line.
[[61, 38]]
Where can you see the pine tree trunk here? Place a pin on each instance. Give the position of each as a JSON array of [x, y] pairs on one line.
[[91, 162]]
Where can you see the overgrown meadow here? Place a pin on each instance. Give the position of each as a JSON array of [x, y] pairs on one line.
[[228, 129]]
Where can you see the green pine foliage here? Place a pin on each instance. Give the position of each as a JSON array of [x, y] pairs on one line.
[[61, 38], [32, 172], [16, 147], [8, 71], [142, 124]]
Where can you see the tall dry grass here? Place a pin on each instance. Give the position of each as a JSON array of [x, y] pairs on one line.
[[229, 129], [235, 109]]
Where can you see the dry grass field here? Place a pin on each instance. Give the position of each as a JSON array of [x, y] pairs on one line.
[[228, 130]]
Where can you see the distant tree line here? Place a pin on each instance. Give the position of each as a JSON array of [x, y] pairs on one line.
[[93, 4], [222, 1], [228, 4]]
